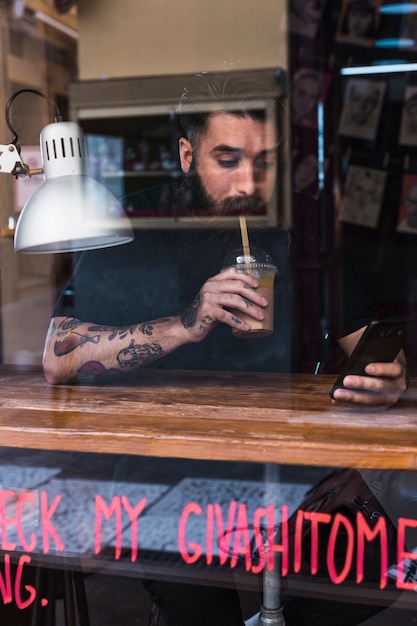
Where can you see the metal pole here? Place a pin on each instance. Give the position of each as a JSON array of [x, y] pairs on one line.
[[271, 610]]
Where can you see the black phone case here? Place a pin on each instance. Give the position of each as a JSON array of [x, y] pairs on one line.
[[380, 343]]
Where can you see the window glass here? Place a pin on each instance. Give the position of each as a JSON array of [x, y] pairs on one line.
[[208, 299]]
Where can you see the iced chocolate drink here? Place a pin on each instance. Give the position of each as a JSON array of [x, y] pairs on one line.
[[258, 263]]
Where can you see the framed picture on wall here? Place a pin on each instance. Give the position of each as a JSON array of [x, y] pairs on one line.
[[141, 162], [362, 200], [358, 22], [408, 127], [307, 172], [362, 107], [309, 87], [304, 17], [156, 194], [407, 216]]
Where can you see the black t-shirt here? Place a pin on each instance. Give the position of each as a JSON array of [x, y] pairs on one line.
[[160, 273]]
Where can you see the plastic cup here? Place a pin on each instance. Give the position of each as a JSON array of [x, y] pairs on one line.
[[258, 263]]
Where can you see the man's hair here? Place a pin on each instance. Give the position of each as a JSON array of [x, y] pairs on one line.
[[222, 92]]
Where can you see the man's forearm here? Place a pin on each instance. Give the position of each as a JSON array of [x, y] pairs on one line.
[[80, 350]]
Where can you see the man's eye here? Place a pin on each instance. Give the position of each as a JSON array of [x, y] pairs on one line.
[[228, 163]]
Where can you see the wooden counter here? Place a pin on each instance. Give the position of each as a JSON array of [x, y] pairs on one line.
[[279, 418]]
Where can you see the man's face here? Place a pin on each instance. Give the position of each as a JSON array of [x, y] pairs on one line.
[[235, 159]]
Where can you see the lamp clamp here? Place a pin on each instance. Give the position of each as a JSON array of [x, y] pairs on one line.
[[11, 161]]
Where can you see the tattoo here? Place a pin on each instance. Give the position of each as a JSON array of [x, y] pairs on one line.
[[147, 327], [122, 332], [247, 302], [189, 316], [73, 341], [139, 354], [114, 331], [95, 369], [204, 322], [235, 319], [68, 324]]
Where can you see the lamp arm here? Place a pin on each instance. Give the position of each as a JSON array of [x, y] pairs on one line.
[[10, 159]]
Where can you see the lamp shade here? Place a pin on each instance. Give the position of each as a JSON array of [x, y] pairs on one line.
[[70, 211]]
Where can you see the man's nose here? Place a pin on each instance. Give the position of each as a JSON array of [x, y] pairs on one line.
[[246, 182]]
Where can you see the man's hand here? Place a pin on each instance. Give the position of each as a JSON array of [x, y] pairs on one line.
[[384, 385], [230, 289]]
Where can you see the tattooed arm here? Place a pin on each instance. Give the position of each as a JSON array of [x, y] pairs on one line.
[[78, 349]]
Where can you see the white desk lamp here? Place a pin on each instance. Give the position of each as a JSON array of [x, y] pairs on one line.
[[70, 211]]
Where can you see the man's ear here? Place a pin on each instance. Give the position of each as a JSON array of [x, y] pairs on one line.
[[186, 154]]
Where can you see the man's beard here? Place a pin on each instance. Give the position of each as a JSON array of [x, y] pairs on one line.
[[243, 205], [197, 201]]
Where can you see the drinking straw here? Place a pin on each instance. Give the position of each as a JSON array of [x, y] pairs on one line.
[[244, 234]]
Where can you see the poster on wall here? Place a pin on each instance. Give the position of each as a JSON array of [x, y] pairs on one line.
[[305, 174], [358, 22], [304, 17], [407, 216], [408, 127], [308, 172], [308, 88], [364, 191], [362, 107]]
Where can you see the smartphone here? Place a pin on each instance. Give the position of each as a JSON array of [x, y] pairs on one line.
[[380, 343]]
